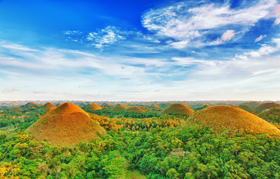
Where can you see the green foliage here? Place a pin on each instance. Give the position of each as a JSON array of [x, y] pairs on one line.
[[160, 152]]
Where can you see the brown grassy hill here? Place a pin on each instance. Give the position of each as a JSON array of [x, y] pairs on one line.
[[107, 105], [233, 118], [252, 103], [66, 125], [59, 104], [105, 109], [246, 107], [177, 109], [206, 106], [17, 109], [31, 104], [118, 108], [155, 106], [48, 107], [266, 106], [95, 107], [134, 109]]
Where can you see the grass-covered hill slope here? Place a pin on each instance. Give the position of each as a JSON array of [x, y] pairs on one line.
[[266, 106], [177, 109], [67, 125], [221, 117]]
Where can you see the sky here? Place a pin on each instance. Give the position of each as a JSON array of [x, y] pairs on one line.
[[140, 50]]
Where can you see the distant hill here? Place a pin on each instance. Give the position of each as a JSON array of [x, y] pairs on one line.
[[233, 118], [177, 109]]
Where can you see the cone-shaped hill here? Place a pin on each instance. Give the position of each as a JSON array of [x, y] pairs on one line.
[[155, 106], [48, 107], [177, 109], [219, 117], [59, 104], [118, 108], [246, 107], [107, 105], [265, 106], [95, 107], [66, 125], [17, 109], [134, 109], [31, 104]]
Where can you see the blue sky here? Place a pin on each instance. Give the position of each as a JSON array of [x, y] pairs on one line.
[[139, 50]]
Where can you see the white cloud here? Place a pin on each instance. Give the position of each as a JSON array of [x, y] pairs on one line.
[[74, 32], [109, 35], [10, 90], [264, 50], [185, 24], [275, 13], [16, 47], [228, 35], [260, 38]]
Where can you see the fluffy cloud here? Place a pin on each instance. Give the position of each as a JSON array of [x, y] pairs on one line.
[[185, 23], [264, 50], [108, 35], [260, 38], [10, 90]]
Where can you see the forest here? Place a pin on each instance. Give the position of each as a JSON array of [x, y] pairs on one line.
[[138, 145]]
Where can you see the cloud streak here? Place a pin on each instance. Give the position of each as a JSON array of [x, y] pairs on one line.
[[184, 23], [10, 90]]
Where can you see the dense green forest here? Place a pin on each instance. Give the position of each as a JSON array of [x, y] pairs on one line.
[[154, 147]]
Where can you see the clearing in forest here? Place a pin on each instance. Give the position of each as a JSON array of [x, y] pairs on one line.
[[67, 125]]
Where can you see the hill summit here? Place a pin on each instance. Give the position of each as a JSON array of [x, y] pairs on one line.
[[48, 106], [177, 109], [265, 106], [219, 117], [118, 108], [66, 125]]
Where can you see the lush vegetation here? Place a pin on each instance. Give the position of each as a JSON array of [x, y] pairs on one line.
[[157, 147]]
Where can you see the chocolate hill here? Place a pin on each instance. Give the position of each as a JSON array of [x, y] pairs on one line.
[[266, 106], [105, 109], [177, 109], [118, 108], [48, 107], [219, 117], [17, 109], [134, 109], [246, 107], [155, 106], [30, 104], [67, 125], [107, 105], [59, 104], [95, 107]]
